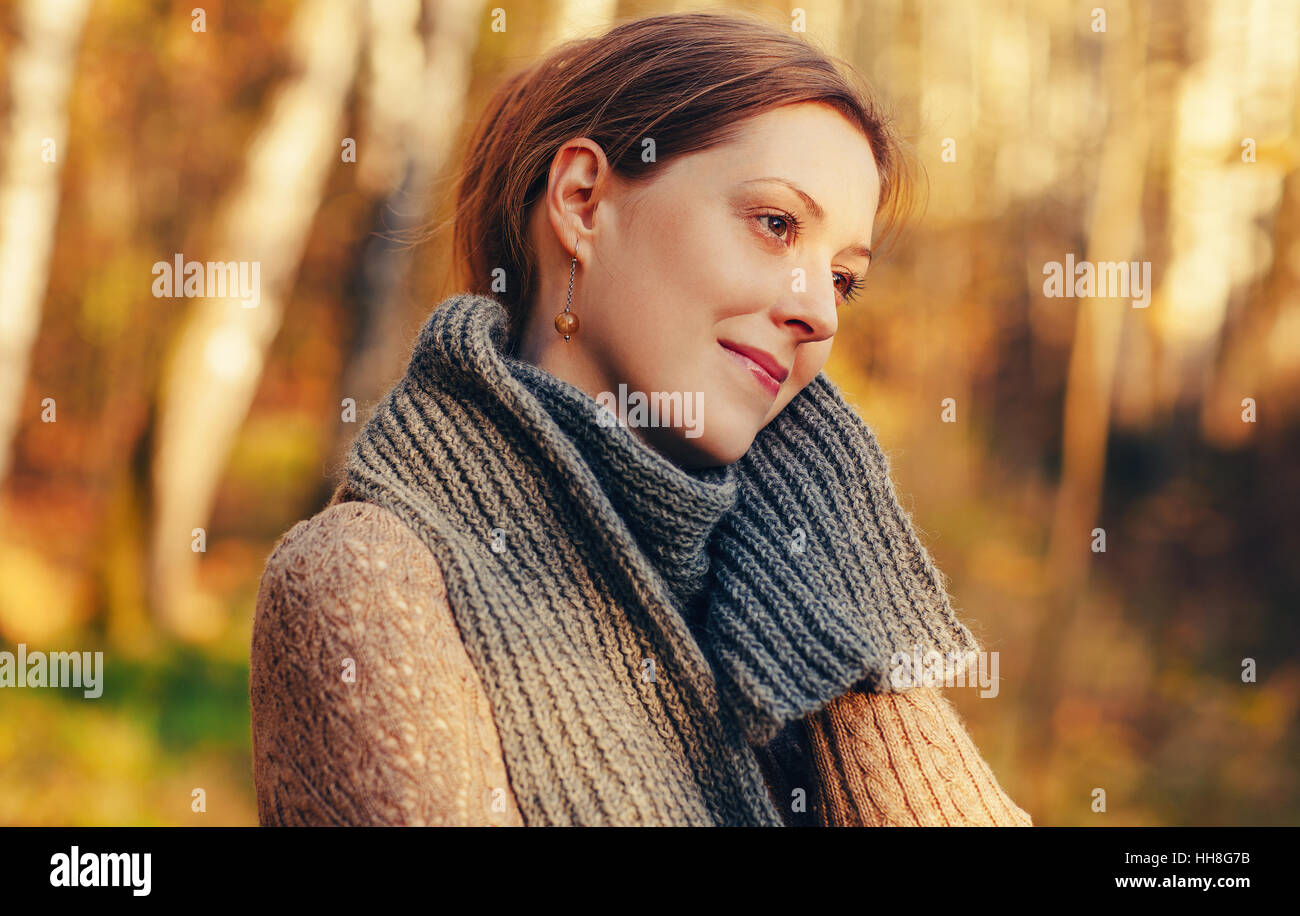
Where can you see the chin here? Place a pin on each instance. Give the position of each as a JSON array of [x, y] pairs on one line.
[[703, 451], [722, 447], [713, 458], [726, 429]]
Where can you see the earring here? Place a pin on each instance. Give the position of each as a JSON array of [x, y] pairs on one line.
[[566, 322]]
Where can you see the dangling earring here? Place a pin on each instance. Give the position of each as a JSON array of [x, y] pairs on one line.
[[566, 322]]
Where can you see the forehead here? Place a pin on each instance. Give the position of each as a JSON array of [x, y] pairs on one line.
[[810, 144]]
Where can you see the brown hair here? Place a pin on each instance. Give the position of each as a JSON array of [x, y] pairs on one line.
[[686, 79]]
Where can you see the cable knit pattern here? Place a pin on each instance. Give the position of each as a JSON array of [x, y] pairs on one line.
[[413, 740], [573, 554], [903, 759], [531, 616]]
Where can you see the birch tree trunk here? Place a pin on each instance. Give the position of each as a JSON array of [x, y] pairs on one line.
[[40, 79], [213, 370], [1114, 235], [415, 94]]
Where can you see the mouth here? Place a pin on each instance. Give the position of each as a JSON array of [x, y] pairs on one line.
[[762, 366]]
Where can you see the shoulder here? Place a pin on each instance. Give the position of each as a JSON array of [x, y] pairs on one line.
[[352, 546], [355, 576], [366, 708]]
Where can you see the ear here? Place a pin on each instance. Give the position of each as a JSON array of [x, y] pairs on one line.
[[579, 177]]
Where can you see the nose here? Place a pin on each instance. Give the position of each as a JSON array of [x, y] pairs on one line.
[[811, 310]]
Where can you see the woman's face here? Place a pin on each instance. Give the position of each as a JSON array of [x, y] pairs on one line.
[[716, 256]]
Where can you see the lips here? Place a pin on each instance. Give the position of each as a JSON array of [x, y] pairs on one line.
[[764, 366], [765, 360]]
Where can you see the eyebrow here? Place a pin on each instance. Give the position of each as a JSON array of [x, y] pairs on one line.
[[818, 213]]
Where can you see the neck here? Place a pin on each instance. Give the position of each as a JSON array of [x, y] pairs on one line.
[[570, 362], [670, 510]]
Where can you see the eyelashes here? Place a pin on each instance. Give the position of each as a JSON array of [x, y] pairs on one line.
[[855, 281]]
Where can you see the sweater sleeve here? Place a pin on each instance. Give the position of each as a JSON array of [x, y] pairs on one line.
[[366, 709], [902, 759]]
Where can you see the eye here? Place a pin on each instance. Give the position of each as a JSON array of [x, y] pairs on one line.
[[786, 219], [852, 282], [852, 285]]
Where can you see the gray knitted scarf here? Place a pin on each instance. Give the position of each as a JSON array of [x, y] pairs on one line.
[[640, 628]]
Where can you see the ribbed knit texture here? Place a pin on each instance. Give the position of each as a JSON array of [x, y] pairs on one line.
[[669, 510], [638, 626], [791, 629]]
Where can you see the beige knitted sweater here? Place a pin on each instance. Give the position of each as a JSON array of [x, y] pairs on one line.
[[366, 708]]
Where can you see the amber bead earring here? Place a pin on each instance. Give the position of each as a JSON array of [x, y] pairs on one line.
[[566, 323]]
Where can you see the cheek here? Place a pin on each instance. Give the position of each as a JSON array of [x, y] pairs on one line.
[[810, 360], [713, 259], [680, 274]]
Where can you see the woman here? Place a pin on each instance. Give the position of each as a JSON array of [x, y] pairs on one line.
[[615, 550]]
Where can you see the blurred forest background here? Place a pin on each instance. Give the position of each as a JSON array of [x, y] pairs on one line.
[[1165, 132]]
